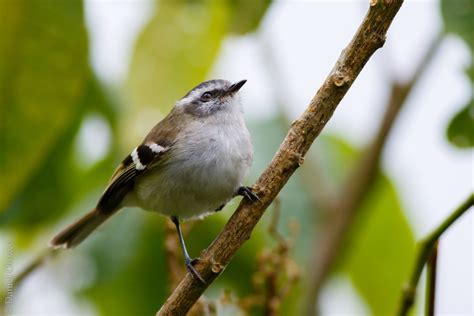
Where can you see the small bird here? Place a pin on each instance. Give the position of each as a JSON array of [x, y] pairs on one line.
[[189, 165]]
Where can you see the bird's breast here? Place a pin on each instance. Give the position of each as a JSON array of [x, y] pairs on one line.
[[204, 172]]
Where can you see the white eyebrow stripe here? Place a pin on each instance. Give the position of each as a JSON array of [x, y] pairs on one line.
[[193, 95], [136, 160], [183, 101], [155, 147]]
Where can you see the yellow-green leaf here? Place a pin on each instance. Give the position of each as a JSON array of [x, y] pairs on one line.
[[175, 51], [247, 14], [382, 249], [60, 181], [43, 68]]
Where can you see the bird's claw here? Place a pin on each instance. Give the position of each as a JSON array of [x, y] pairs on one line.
[[248, 194], [190, 266]]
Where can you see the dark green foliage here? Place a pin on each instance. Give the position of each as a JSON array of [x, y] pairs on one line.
[[461, 128], [458, 18]]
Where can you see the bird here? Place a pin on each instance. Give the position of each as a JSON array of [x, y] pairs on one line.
[[190, 165]]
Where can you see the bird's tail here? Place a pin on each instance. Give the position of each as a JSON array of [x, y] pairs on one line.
[[75, 233]]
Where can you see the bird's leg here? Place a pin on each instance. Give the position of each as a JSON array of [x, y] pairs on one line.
[[247, 193], [187, 259]]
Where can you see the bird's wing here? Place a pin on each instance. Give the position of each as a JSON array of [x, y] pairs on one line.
[[140, 160], [155, 150]]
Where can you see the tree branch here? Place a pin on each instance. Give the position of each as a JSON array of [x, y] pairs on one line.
[[425, 248], [369, 37], [431, 270], [33, 265], [37, 262], [358, 184]]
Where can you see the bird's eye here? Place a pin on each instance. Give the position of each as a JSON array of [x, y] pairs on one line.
[[206, 96]]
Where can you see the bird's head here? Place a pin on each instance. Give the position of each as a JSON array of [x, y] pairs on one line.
[[211, 96]]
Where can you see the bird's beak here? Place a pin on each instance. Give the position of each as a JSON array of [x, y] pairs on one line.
[[236, 87]]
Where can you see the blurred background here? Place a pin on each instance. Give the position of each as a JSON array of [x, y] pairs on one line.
[[81, 83]]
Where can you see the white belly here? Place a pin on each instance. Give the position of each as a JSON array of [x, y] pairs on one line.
[[207, 174]]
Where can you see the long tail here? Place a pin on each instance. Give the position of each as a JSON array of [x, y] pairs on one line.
[[75, 233]]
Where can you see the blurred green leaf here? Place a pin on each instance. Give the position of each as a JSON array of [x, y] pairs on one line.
[[39, 91], [379, 249], [461, 128], [334, 157], [458, 18], [246, 14], [131, 276], [470, 72], [382, 249], [175, 51], [49, 190], [60, 182], [177, 48]]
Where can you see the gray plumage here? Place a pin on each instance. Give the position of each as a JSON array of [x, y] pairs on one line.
[[190, 164], [208, 156]]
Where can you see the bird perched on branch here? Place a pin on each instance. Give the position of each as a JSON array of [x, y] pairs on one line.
[[189, 165]]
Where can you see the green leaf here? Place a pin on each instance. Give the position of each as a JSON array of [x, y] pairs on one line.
[[132, 280], [382, 249], [59, 182], [458, 18], [177, 48], [461, 128], [246, 14], [43, 69], [379, 249], [470, 72], [175, 51]]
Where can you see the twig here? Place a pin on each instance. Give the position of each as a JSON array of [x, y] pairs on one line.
[[425, 247], [369, 37], [33, 265], [358, 184], [431, 269], [27, 270]]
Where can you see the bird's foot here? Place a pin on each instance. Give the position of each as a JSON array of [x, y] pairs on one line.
[[248, 194], [190, 266]]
